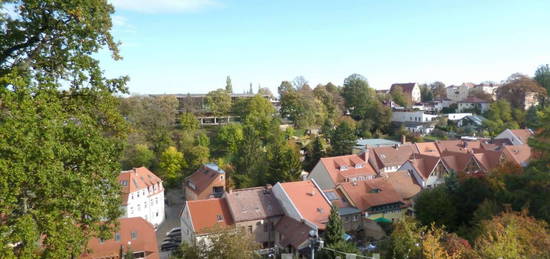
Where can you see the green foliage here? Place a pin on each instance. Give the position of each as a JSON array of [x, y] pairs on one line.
[[61, 133], [342, 139], [542, 76], [284, 163], [219, 102], [195, 157], [426, 93], [358, 96], [436, 205], [140, 155], [228, 138], [334, 232], [406, 239], [171, 164], [189, 122], [231, 243], [201, 139], [314, 151], [249, 158], [228, 85], [400, 98], [499, 117]]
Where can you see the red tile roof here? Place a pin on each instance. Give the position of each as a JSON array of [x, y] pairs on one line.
[[523, 134], [371, 193], [309, 200], [518, 154], [137, 179], [424, 164], [204, 177], [391, 156], [206, 214], [342, 167], [145, 240], [253, 204], [488, 159], [462, 146], [456, 161], [427, 148], [404, 183]]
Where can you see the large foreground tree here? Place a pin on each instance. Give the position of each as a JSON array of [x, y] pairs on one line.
[[60, 131]]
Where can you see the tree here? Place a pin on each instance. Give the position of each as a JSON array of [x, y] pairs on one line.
[[228, 138], [228, 85], [499, 118], [189, 122], [515, 89], [406, 239], [61, 132], [334, 232], [140, 155], [219, 102], [314, 151], [358, 95], [436, 206], [513, 235], [231, 243], [299, 82], [542, 76], [426, 93], [439, 90], [195, 157], [171, 164], [284, 163], [399, 97], [342, 139]]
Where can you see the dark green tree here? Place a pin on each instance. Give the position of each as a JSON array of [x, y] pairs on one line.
[[334, 232], [342, 139], [436, 206], [219, 102], [61, 132], [314, 151], [228, 85], [358, 95], [284, 163], [542, 76]]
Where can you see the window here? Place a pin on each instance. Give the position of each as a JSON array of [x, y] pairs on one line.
[[117, 236], [355, 218], [101, 240], [219, 217], [133, 235], [139, 255], [131, 210], [221, 177], [250, 229], [145, 205], [138, 207]]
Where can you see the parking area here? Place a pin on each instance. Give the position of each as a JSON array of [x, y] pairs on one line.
[[174, 201]]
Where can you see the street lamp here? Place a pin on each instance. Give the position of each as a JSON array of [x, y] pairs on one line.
[[314, 242]]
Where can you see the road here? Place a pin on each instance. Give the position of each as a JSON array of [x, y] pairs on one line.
[[174, 201]]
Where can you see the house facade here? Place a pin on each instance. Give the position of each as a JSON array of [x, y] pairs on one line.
[[199, 217], [473, 103], [330, 171], [142, 195], [135, 235], [458, 93], [207, 182], [428, 171], [412, 116], [411, 90]]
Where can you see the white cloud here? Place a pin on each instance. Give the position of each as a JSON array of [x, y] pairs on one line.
[[162, 6]]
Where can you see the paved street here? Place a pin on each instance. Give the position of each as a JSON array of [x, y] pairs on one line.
[[174, 202]]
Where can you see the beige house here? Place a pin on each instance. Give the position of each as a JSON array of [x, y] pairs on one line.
[[257, 211]]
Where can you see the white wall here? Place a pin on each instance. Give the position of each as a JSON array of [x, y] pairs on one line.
[[415, 94], [417, 116], [187, 233], [285, 202], [458, 93], [147, 204], [457, 116]]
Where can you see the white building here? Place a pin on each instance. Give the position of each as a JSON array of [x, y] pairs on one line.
[[473, 103], [412, 116], [142, 195], [458, 93], [457, 116], [488, 88], [516, 136]]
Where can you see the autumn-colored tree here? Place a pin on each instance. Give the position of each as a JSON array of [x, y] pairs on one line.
[[228, 242], [399, 97], [515, 89], [171, 164], [513, 235]]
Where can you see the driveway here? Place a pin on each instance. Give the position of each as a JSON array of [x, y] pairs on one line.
[[174, 201]]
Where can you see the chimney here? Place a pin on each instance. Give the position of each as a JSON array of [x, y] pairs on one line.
[[403, 139]]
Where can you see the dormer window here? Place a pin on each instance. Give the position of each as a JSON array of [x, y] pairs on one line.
[[358, 165], [343, 168], [376, 190]]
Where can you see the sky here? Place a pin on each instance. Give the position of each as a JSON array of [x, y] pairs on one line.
[[191, 46]]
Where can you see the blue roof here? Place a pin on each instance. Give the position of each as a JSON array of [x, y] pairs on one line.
[[375, 142], [348, 211]]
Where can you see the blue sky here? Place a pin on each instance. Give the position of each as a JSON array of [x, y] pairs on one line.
[[181, 46]]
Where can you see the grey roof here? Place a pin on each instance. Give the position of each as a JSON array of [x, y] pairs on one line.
[[215, 167], [253, 204], [375, 142], [348, 211], [478, 120]]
